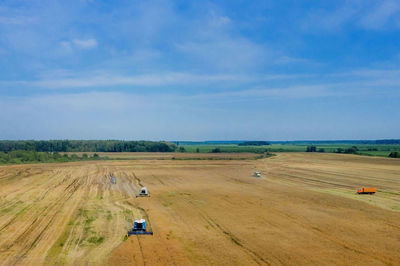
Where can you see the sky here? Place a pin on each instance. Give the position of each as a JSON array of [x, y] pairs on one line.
[[200, 70]]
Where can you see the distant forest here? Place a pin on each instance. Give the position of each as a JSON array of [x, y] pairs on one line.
[[86, 146], [254, 143], [291, 142]]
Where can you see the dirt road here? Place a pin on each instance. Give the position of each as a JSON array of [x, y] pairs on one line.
[[303, 210]]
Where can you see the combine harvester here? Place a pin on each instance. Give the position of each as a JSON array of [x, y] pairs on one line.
[[113, 179], [139, 228], [367, 190], [257, 174], [144, 192]]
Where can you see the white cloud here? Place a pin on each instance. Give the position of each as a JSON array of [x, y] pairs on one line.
[[286, 76], [331, 19], [379, 16], [217, 20], [102, 79], [85, 43], [108, 115], [288, 60], [357, 82], [261, 93], [366, 14], [225, 53], [370, 74]]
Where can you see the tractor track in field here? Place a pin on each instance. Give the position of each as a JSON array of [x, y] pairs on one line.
[[137, 180], [158, 179], [13, 218], [40, 217], [324, 235], [28, 207], [141, 250], [255, 256], [37, 238], [312, 181]]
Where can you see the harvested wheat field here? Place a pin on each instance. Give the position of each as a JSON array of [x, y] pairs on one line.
[[303, 210]]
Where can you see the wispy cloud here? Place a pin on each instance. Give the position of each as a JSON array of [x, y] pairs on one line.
[[351, 83], [366, 14], [225, 53], [331, 19], [312, 90], [289, 60], [104, 80], [381, 15], [263, 93], [370, 74], [214, 115], [85, 43]]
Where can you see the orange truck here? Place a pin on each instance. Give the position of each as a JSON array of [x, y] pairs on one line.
[[367, 190]]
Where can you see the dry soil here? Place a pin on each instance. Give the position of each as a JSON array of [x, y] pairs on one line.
[[303, 210]]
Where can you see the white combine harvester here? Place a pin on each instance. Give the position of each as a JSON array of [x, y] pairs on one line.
[[144, 192], [257, 174]]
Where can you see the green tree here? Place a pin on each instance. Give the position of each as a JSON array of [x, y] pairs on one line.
[[56, 155], [216, 150], [352, 150], [311, 149]]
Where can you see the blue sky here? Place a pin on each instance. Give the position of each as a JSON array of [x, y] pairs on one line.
[[200, 70]]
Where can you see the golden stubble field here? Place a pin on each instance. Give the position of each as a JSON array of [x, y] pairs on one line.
[[303, 210]]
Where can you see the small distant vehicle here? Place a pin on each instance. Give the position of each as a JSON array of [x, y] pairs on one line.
[[257, 174], [367, 190], [144, 192], [139, 228], [113, 180]]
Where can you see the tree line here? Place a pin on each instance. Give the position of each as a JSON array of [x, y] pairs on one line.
[[19, 156], [254, 143], [351, 150], [86, 146], [394, 154]]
